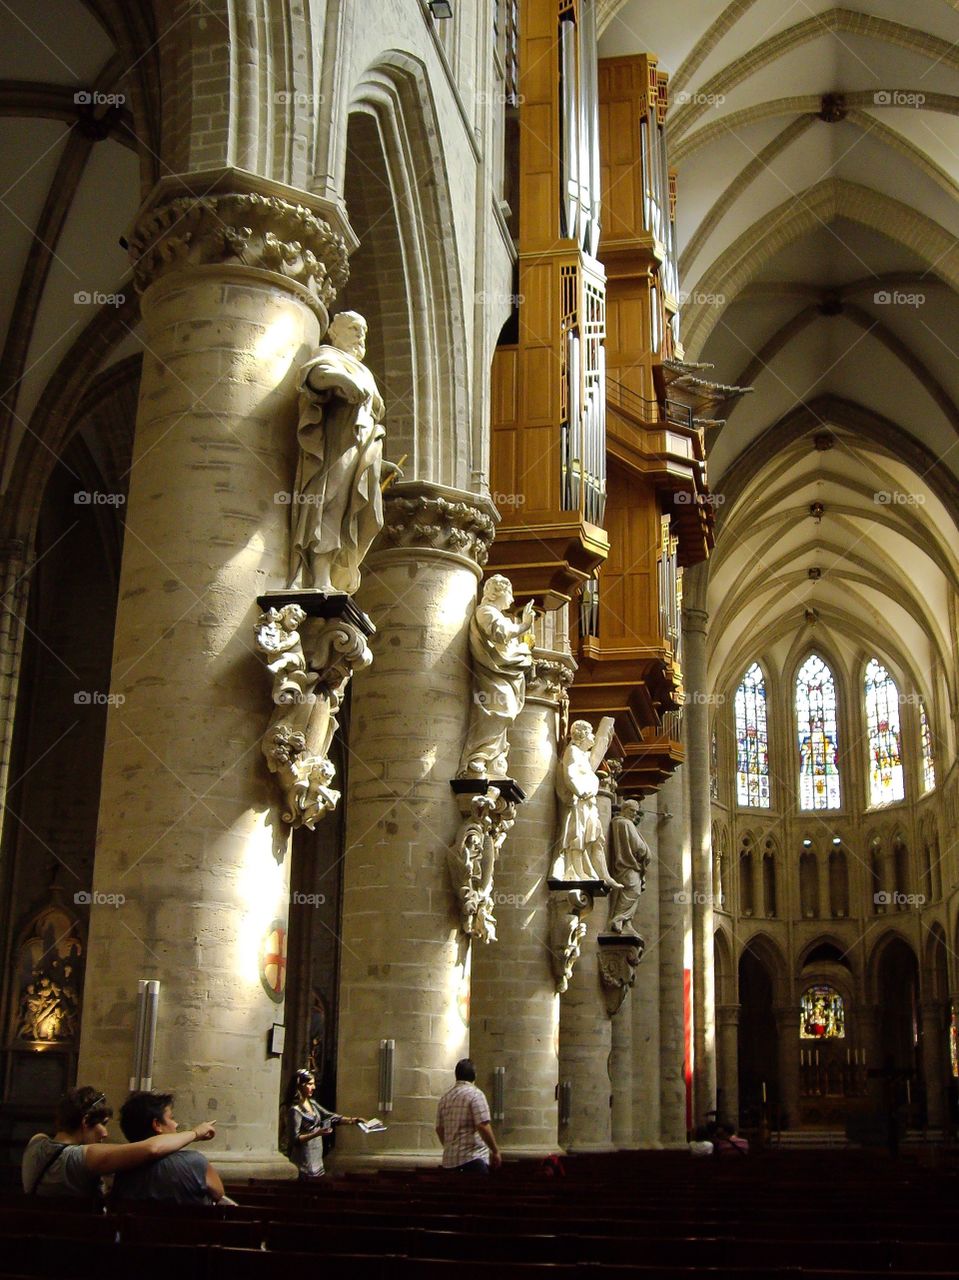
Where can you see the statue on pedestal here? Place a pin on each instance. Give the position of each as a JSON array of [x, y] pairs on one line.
[[630, 857], [501, 658], [582, 844], [337, 499]]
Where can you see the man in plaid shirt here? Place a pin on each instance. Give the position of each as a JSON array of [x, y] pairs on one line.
[[463, 1125]]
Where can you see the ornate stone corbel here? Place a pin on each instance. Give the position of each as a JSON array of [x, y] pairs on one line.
[[429, 520], [567, 929], [488, 817], [311, 644], [618, 959]]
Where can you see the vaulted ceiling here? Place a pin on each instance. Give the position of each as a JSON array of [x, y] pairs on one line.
[[817, 150]]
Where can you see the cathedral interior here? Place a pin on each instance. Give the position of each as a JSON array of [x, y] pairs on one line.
[[655, 301]]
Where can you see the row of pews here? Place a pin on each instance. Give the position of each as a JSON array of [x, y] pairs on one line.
[[826, 1214]]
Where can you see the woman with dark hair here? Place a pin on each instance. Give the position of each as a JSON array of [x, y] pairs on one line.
[[307, 1123], [73, 1161]]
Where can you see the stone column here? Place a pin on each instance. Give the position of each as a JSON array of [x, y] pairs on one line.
[[934, 1062], [621, 1076], [14, 586], [514, 1006], [696, 716], [404, 972], [727, 1066], [675, 957], [192, 862], [642, 1007], [585, 1042], [787, 1030]]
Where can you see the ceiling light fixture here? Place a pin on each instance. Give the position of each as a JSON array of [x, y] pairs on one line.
[[817, 510]]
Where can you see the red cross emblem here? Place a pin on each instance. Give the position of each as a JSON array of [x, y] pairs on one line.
[[273, 961]]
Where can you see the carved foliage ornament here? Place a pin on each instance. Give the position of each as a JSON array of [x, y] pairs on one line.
[[439, 524], [472, 860], [617, 972], [249, 229], [567, 929], [311, 661]]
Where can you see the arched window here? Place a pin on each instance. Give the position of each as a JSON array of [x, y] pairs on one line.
[[808, 884], [752, 742], [747, 896], [838, 884], [818, 736], [928, 760], [882, 725], [823, 1015]]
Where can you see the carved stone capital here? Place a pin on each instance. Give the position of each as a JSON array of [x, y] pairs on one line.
[[201, 221], [618, 959], [551, 676], [567, 929], [311, 646], [423, 515]]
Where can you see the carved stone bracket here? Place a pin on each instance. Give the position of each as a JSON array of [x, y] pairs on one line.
[[247, 228], [311, 643], [418, 516], [568, 908], [551, 676], [619, 956], [489, 811]]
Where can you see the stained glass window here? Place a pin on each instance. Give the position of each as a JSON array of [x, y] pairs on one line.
[[928, 762], [882, 725], [818, 736], [714, 765], [752, 743], [822, 1016], [954, 1039]]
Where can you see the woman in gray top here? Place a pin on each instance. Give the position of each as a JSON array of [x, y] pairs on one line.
[[73, 1161], [307, 1123]]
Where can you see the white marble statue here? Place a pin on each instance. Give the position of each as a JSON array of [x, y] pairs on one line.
[[337, 507], [501, 658], [582, 844], [630, 858]]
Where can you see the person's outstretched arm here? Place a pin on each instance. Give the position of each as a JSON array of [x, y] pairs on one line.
[[102, 1157]]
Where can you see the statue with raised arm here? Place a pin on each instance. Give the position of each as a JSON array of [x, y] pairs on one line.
[[630, 858], [337, 507], [501, 657], [582, 844]]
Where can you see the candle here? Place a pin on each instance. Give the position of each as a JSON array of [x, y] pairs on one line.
[[847, 1055], [764, 1091]]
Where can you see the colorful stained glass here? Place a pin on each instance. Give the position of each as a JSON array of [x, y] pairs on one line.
[[714, 765], [752, 741], [954, 1039], [822, 1014], [882, 724], [818, 736], [928, 760]]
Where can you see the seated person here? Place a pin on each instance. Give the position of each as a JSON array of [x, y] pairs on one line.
[[185, 1177], [72, 1162], [728, 1143]]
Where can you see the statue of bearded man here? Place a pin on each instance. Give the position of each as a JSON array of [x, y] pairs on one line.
[[337, 499]]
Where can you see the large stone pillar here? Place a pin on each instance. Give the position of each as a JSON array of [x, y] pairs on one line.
[[643, 1005], [696, 716], [787, 1031], [404, 972], [191, 871], [585, 1034], [675, 957], [934, 1062], [727, 1066], [514, 1005]]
